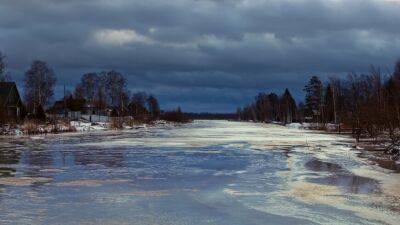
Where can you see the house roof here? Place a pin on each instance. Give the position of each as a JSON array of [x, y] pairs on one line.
[[5, 90], [70, 104]]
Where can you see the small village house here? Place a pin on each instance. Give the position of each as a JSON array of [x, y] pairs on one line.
[[69, 107], [10, 102]]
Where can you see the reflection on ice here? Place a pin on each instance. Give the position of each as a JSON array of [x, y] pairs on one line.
[[207, 172], [339, 177], [321, 166]]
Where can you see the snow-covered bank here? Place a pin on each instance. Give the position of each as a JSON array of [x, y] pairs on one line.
[[30, 128], [86, 126], [81, 126], [72, 126], [314, 126], [391, 151]]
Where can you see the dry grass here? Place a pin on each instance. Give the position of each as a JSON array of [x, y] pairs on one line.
[[133, 122], [117, 123], [38, 127], [30, 127]]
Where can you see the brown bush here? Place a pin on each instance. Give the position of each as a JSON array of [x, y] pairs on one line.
[[117, 123], [175, 116], [30, 127]]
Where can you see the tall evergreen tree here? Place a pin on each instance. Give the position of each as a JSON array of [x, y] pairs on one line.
[[313, 101], [262, 107], [274, 106], [287, 107]]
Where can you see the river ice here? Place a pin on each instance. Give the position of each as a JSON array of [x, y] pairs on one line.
[[206, 172]]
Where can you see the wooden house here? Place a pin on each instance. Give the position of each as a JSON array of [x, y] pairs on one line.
[[10, 101]]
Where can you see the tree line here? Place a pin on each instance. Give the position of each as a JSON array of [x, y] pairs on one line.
[[270, 108], [367, 104], [107, 89], [102, 92]]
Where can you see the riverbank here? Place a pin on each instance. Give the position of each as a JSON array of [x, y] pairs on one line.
[[34, 128], [381, 150]]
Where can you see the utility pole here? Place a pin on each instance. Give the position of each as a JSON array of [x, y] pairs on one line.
[[65, 104]]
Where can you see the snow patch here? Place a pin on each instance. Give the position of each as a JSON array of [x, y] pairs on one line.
[[85, 126]]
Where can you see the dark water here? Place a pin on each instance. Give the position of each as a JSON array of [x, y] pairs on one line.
[[208, 172]]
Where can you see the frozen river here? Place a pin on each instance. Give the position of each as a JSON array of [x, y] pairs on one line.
[[207, 172]]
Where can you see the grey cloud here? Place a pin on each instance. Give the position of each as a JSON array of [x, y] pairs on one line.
[[228, 48]]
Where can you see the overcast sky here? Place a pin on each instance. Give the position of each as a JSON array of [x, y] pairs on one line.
[[204, 55]]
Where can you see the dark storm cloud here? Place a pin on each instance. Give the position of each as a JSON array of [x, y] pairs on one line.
[[204, 54]]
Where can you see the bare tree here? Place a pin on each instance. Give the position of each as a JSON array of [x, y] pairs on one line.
[[154, 108], [115, 84], [353, 103], [90, 83], [239, 113], [137, 105], [39, 84], [339, 98], [101, 95], [125, 100], [79, 92]]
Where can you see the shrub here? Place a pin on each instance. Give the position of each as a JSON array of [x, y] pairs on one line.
[[117, 123], [175, 116], [30, 127]]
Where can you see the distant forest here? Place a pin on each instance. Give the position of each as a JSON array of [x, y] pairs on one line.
[[211, 116], [366, 104]]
